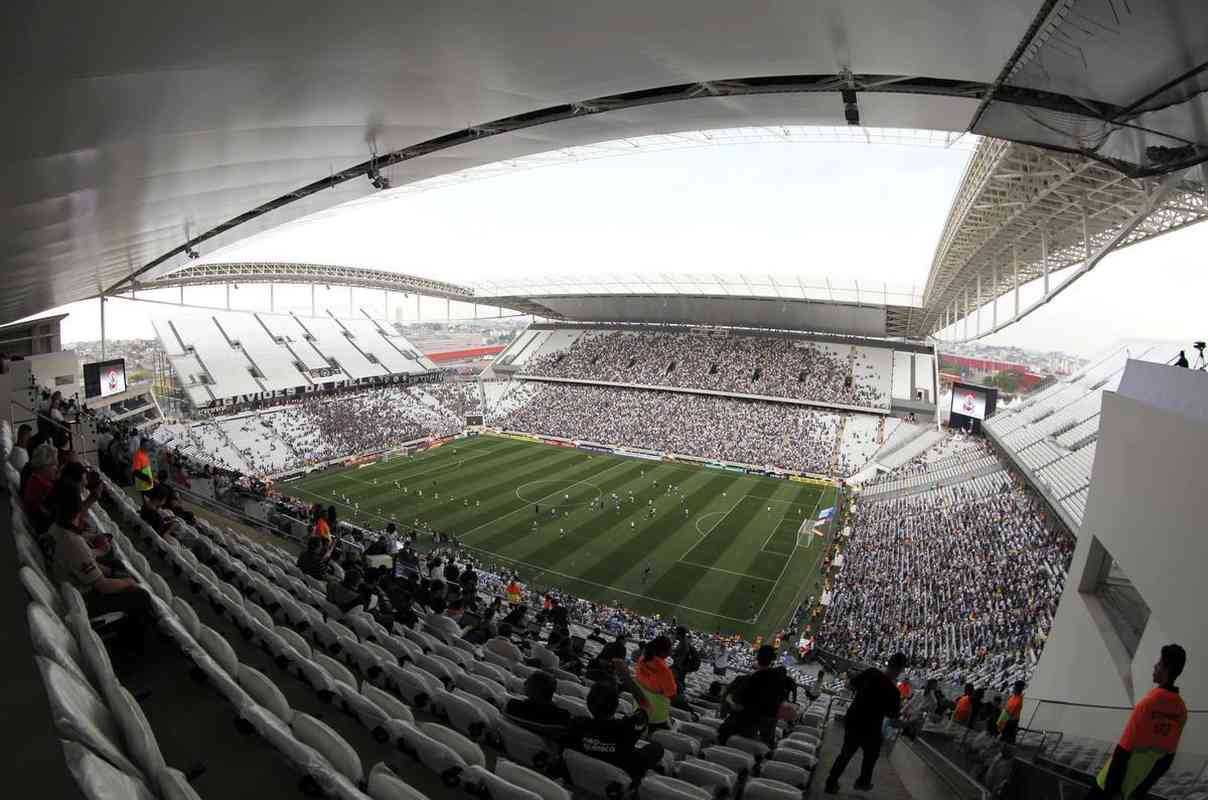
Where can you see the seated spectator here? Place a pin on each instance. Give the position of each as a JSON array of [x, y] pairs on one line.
[[613, 739], [19, 457], [173, 503], [42, 470], [756, 698], [103, 590], [346, 594], [502, 645], [311, 561], [152, 509], [76, 477], [537, 711], [447, 623]]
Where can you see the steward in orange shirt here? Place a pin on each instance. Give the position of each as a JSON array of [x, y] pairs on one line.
[[964, 707], [1151, 737], [657, 683], [1008, 720]]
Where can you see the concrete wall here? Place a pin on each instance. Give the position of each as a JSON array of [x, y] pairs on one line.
[[1148, 507]]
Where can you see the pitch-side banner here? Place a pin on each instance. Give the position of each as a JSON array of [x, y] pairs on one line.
[[969, 403]]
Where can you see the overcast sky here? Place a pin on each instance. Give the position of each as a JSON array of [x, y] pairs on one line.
[[862, 212]]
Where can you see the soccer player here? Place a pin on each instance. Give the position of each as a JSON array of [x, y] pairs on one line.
[[645, 573], [1151, 737], [561, 532]]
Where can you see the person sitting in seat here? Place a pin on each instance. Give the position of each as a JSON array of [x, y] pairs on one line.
[[103, 589], [446, 620], [537, 711], [502, 644], [37, 481], [610, 738], [311, 562], [346, 594], [152, 511]]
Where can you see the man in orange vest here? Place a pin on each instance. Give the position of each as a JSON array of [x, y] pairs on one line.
[[144, 478], [963, 714], [514, 592], [1151, 736], [1008, 720]]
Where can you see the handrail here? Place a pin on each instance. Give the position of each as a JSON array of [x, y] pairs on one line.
[[980, 791]]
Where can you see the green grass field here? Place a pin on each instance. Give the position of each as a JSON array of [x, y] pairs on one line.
[[733, 563]]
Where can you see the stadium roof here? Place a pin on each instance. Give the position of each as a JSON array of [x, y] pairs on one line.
[[138, 134]]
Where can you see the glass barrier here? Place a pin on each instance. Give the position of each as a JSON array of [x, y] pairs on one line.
[[1077, 738]]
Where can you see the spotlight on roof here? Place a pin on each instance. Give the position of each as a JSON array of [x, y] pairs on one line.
[[378, 180], [192, 253]]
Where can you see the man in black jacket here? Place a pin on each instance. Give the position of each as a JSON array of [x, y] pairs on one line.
[[877, 698], [756, 698]]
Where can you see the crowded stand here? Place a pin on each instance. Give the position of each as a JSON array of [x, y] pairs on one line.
[[504, 397], [744, 431], [862, 437], [957, 582], [460, 398], [427, 602], [766, 366], [335, 426]]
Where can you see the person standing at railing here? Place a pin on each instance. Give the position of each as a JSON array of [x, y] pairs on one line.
[[1151, 736], [1008, 720], [140, 468]]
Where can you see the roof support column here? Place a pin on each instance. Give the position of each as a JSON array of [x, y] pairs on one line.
[[1015, 263], [350, 306], [417, 308], [228, 295], [386, 305], [994, 299], [448, 309], [102, 299], [966, 312], [272, 298], [1044, 259], [977, 324], [182, 294], [312, 299], [1086, 239]]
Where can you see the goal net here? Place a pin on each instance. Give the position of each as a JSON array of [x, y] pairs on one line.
[[805, 534]]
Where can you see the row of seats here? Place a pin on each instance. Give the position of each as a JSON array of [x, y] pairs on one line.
[[430, 675]]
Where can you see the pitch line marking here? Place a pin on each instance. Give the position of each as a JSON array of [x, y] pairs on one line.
[[724, 514], [787, 561], [727, 571], [609, 587], [596, 476]]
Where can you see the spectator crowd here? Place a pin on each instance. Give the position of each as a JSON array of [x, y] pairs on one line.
[[790, 437], [970, 585], [755, 365]]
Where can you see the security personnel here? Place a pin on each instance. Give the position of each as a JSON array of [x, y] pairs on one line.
[[1008, 720], [144, 478], [1151, 737], [963, 713]]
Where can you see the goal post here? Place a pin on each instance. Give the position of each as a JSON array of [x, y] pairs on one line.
[[805, 533]]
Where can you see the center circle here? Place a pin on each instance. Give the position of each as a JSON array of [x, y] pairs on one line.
[[543, 491]]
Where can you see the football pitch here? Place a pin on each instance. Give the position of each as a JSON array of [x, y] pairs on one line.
[[720, 554]]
